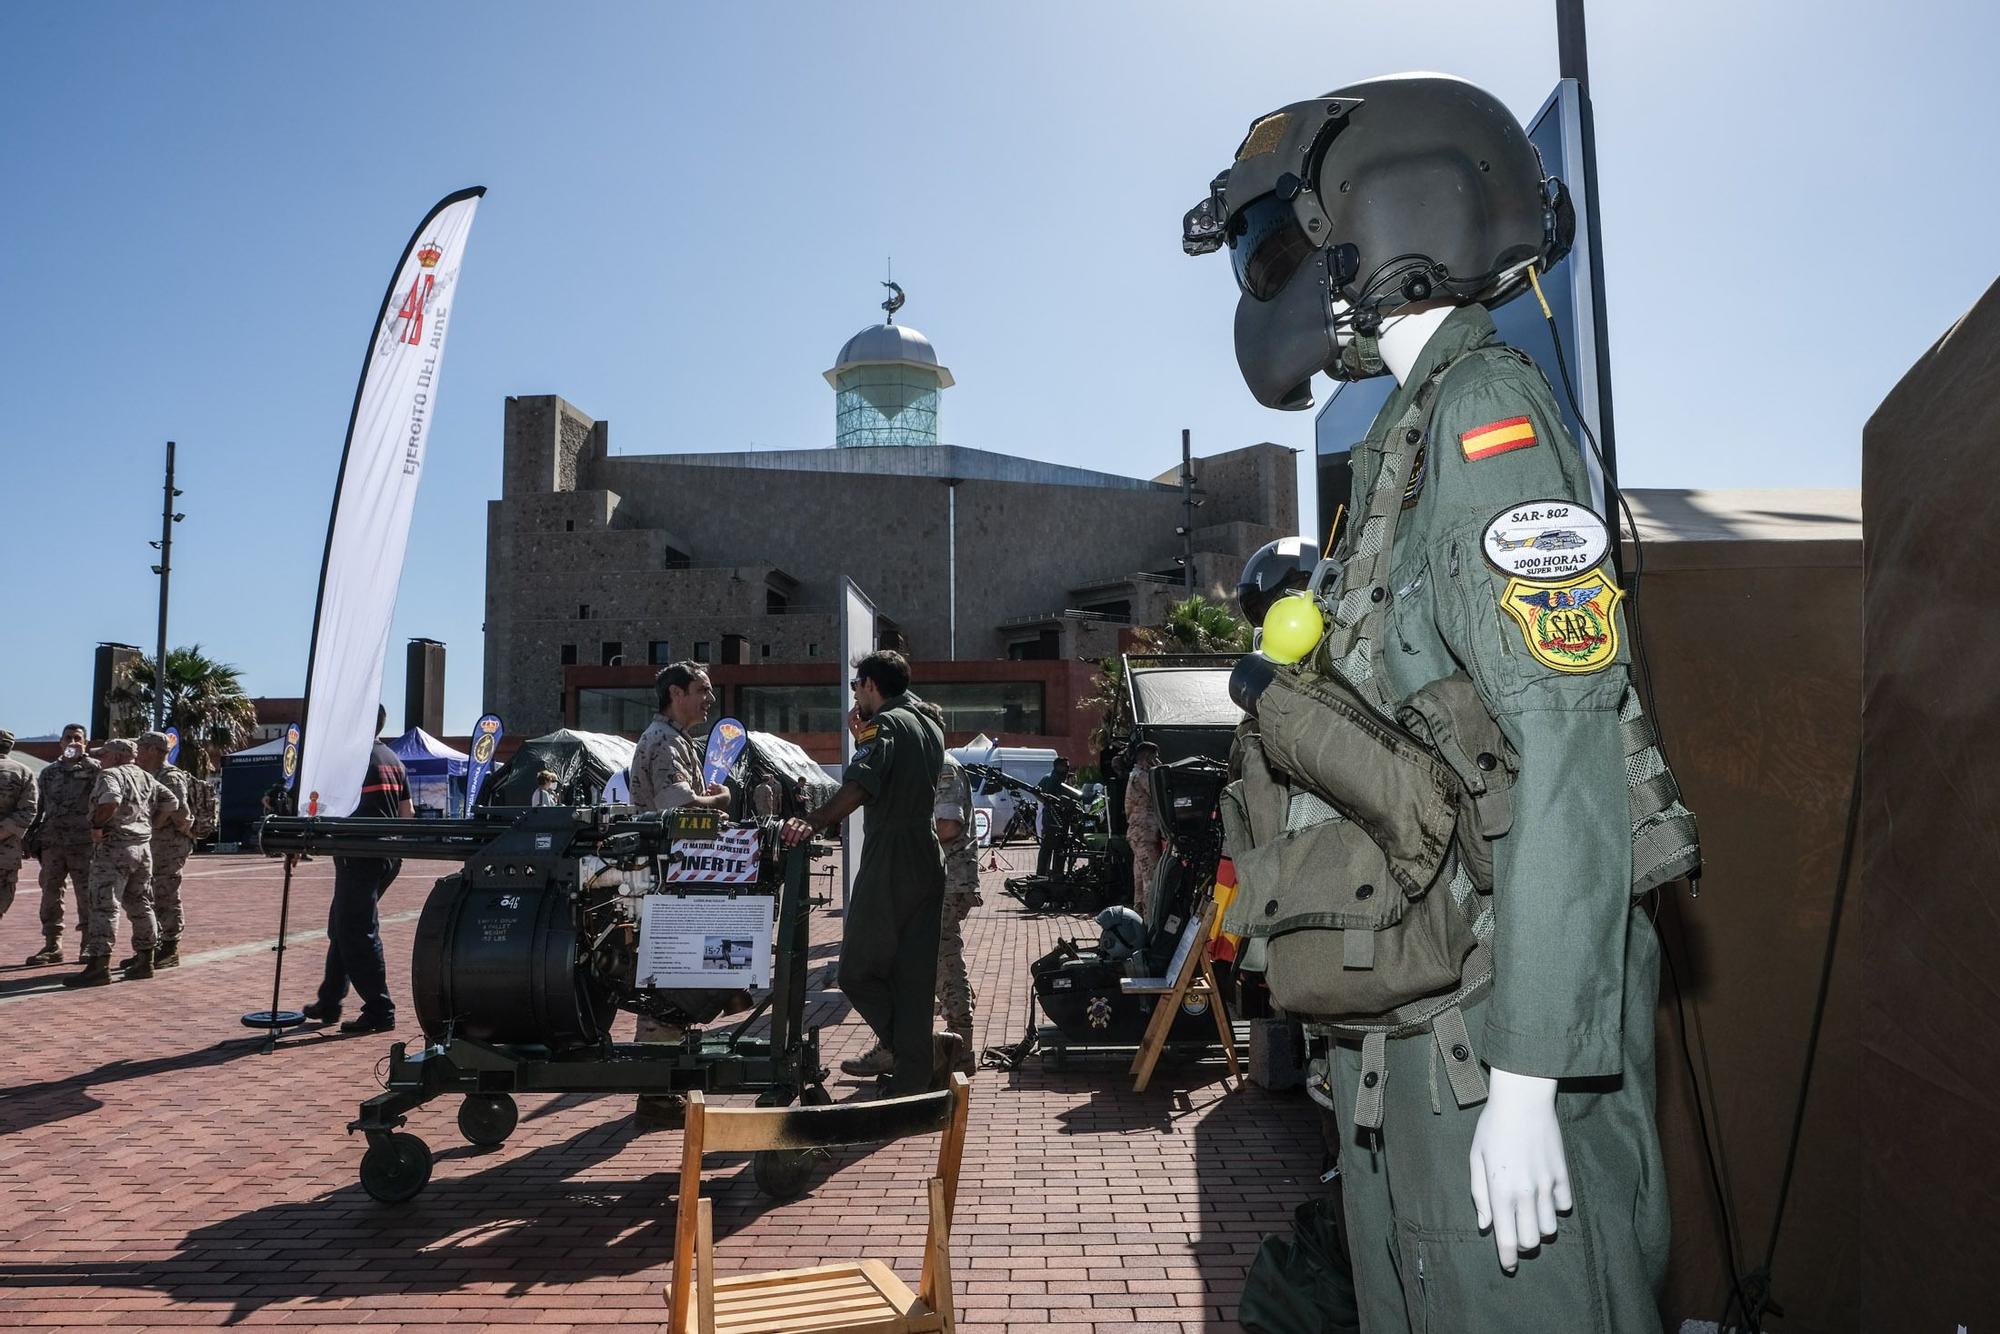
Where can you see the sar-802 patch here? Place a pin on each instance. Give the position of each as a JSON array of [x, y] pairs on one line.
[[1569, 625], [1501, 437]]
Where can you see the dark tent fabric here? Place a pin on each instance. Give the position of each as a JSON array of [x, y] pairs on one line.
[[246, 776], [1931, 820], [581, 761], [766, 754]]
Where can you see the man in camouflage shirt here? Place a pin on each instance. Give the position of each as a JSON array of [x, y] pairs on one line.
[[952, 815], [666, 775], [18, 800], [173, 843], [65, 789], [125, 806]]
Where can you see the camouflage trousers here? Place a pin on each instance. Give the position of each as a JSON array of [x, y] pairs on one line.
[[1145, 860], [168, 862], [954, 983], [64, 861], [121, 875]]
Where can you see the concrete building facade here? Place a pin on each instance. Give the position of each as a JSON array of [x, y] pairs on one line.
[[597, 559]]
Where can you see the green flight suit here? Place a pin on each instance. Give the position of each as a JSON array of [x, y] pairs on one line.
[[1575, 965], [889, 940]]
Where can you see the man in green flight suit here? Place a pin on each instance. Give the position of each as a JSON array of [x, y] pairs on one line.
[[1370, 230], [889, 940]]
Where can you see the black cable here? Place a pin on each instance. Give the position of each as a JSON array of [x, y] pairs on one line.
[[1725, 1200], [1760, 1278]]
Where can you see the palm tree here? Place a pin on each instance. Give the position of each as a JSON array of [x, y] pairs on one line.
[[1194, 625], [205, 701]]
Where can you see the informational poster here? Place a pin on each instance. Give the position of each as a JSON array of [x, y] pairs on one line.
[[705, 940]]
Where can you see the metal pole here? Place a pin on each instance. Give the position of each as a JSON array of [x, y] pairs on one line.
[[951, 558], [1187, 510], [1573, 58], [166, 570]]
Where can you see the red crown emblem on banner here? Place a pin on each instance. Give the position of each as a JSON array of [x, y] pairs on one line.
[[430, 255]]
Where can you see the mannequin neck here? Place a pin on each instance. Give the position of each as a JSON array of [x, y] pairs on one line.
[[1404, 338]]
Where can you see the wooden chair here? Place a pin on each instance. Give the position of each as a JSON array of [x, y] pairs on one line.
[[1179, 983], [836, 1298]]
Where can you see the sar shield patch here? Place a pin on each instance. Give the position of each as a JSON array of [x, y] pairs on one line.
[[1570, 625]]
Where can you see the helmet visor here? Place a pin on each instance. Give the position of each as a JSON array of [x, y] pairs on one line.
[[1266, 246]]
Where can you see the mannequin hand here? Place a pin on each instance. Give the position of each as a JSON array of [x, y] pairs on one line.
[[1520, 1177]]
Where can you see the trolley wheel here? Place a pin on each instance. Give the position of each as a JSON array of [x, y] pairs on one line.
[[783, 1174], [396, 1167], [1034, 898], [816, 1096], [1055, 1059], [487, 1119]]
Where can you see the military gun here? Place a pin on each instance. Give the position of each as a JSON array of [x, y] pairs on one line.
[[524, 956], [1083, 878]]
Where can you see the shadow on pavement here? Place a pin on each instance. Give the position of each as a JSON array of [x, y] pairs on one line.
[[29, 1105]]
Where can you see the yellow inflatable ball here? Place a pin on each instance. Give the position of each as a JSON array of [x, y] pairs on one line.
[[1292, 627]]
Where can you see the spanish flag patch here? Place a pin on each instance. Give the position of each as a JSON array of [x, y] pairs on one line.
[[1483, 442]]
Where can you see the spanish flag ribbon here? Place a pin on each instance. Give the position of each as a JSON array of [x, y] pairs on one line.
[[1499, 437], [1223, 947]]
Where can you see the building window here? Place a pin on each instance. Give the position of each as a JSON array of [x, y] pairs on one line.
[[812, 650], [614, 708], [775, 602], [675, 560], [660, 652], [790, 708], [701, 650], [569, 525], [583, 611], [569, 655], [763, 650], [610, 652], [993, 707]]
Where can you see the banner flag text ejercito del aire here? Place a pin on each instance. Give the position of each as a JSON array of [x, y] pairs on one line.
[[370, 524]]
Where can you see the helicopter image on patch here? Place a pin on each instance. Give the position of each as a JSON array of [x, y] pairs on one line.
[[1548, 539]]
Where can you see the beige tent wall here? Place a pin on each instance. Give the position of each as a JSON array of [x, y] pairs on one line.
[[1750, 606]]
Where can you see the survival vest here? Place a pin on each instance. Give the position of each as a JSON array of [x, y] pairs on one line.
[[1361, 826]]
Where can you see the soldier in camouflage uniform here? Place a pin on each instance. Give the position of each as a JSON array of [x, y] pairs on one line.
[[125, 807], [18, 800], [952, 814], [173, 843], [65, 788]]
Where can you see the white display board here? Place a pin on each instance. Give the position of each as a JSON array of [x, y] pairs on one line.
[[857, 641], [719, 941]]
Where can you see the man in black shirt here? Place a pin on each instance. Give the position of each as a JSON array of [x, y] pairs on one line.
[[353, 926]]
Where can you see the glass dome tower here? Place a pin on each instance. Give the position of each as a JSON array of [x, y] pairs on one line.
[[885, 388]]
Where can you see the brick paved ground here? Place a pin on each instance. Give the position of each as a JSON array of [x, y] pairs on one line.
[[156, 1169]]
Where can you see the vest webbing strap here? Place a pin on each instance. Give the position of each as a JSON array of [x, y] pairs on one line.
[[1461, 1062], [1374, 1074]]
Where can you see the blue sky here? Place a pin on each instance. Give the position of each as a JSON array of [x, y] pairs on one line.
[[690, 207]]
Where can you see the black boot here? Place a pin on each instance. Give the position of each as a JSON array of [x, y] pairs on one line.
[[51, 952], [140, 966], [96, 973], [167, 954]]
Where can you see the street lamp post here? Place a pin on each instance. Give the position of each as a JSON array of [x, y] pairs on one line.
[[165, 569]]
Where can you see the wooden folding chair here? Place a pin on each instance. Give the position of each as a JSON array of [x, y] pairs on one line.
[[836, 1298], [1179, 983]]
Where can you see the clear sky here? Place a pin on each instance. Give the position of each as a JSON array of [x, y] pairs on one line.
[[690, 207]]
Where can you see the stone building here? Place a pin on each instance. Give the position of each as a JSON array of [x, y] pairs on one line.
[[599, 560]]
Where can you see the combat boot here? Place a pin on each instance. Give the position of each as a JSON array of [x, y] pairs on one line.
[[968, 1060], [167, 954], [877, 1060], [51, 952], [96, 973], [140, 966]]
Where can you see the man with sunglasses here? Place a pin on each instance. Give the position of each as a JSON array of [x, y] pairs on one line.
[[889, 940]]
